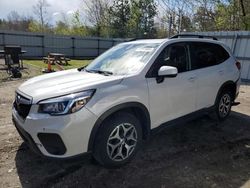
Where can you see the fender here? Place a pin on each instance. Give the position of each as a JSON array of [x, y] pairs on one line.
[[223, 86], [146, 120]]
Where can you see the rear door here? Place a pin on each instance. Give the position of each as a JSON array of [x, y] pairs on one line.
[[208, 61]]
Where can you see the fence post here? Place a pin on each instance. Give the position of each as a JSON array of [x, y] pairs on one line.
[[4, 42], [73, 46], [98, 46], [43, 45], [235, 42]]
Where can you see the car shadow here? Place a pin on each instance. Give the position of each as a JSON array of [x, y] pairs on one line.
[[35, 170], [199, 153]]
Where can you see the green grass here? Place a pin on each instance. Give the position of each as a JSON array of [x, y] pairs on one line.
[[72, 64]]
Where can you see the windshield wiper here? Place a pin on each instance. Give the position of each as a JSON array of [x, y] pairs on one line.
[[106, 73], [81, 68]]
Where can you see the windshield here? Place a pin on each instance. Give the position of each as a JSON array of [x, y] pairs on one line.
[[126, 58]]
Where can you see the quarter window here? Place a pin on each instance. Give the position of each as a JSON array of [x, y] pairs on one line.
[[206, 54]]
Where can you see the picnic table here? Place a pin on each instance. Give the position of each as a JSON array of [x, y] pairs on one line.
[[56, 58]]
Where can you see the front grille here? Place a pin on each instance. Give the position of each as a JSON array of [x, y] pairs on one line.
[[22, 105]]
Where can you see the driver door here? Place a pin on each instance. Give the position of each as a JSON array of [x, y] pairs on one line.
[[172, 97]]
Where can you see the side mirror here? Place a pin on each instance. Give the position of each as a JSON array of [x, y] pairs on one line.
[[167, 71]]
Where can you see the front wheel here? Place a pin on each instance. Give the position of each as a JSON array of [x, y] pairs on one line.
[[223, 105], [118, 140]]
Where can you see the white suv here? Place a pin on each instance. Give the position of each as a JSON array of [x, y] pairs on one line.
[[111, 106]]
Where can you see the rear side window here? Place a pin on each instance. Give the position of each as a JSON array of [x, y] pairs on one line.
[[206, 54]]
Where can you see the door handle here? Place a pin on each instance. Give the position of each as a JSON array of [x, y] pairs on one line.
[[191, 79], [221, 72]]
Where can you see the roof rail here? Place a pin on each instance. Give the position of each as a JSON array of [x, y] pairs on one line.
[[192, 36], [132, 39]]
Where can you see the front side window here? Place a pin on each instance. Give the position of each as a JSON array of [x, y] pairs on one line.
[[175, 55], [124, 59], [206, 54]]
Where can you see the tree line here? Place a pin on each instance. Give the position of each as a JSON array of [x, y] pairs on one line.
[[136, 18]]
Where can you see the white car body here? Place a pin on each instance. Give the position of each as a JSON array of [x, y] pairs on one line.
[[173, 98]]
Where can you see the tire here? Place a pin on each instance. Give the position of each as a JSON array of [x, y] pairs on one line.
[[223, 105], [118, 140]]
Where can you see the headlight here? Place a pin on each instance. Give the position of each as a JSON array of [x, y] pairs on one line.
[[65, 104]]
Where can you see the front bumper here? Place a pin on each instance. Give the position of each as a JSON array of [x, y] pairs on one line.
[[56, 136], [26, 137]]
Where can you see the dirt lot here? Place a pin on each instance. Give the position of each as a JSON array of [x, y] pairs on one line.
[[200, 153]]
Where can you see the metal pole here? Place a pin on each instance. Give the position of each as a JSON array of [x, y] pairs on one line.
[[235, 42], [73, 46], [170, 25], [43, 45], [180, 22], [98, 46], [4, 42]]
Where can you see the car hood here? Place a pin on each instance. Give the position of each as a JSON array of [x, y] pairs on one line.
[[64, 82]]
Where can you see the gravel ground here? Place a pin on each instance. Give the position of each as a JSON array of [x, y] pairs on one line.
[[199, 153]]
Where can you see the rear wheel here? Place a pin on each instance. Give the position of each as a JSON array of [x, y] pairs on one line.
[[223, 105], [118, 140]]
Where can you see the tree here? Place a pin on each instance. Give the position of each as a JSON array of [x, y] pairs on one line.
[[34, 26], [204, 19], [16, 22], [40, 10], [141, 21], [186, 24], [119, 16], [177, 15], [136, 18], [62, 28], [97, 13], [246, 24], [245, 8], [77, 27], [232, 15], [224, 18]]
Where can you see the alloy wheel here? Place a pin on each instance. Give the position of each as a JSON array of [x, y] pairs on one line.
[[224, 105], [122, 142]]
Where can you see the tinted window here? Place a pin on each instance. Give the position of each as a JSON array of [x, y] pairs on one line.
[[206, 54], [174, 55]]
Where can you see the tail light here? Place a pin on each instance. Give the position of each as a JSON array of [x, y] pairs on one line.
[[238, 65]]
